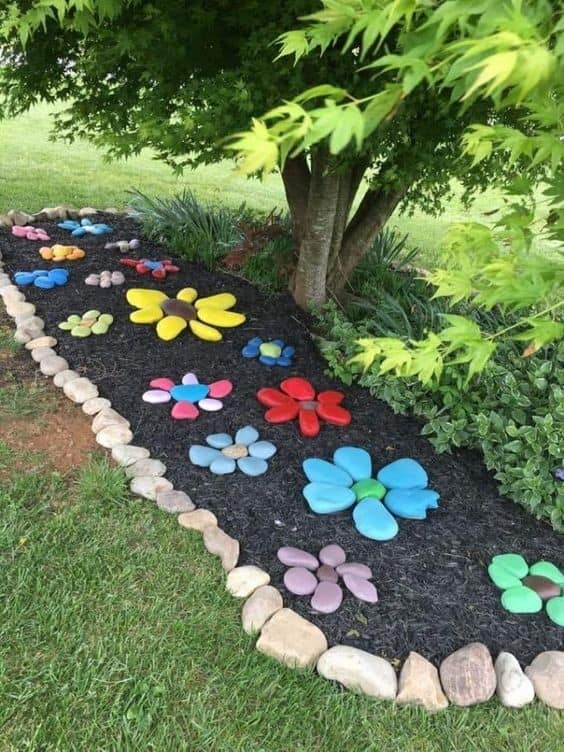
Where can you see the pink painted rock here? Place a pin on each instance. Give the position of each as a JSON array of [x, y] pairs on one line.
[[220, 389], [211, 405], [184, 411], [156, 396], [332, 555], [327, 597], [356, 569], [326, 573], [300, 581], [162, 383], [361, 588], [295, 557]]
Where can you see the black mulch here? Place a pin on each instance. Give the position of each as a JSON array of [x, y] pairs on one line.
[[435, 595]]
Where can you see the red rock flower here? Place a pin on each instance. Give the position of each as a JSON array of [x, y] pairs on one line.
[[297, 398]]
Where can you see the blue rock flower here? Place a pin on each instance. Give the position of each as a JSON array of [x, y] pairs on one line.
[[347, 481], [274, 352], [43, 278], [224, 455], [85, 226]]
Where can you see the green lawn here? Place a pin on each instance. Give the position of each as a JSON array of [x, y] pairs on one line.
[[36, 172]]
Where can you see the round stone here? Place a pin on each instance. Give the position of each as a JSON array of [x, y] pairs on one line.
[[235, 451], [544, 587], [326, 574], [179, 308], [52, 365], [300, 581], [327, 597], [210, 405], [270, 350], [156, 396], [362, 589], [296, 557], [332, 555]]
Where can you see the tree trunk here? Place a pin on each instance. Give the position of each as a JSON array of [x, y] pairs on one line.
[[296, 177]]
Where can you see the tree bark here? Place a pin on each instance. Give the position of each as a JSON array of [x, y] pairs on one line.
[[296, 178]]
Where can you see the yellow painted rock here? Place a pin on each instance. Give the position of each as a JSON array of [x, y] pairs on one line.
[[222, 300], [170, 327], [147, 315], [140, 298], [218, 317], [207, 333], [187, 294]]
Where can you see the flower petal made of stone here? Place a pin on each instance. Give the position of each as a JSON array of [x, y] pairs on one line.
[[515, 564], [189, 392], [205, 332], [246, 435], [296, 557], [308, 422], [162, 383], [298, 388], [170, 327], [361, 588], [220, 389], [502, 578], [252, 466], [140, 298], [372, 519], [555, 610], [332, 555], [403, 473], [223, 465], [334, 414], [184, 411], [282, 413], [321, 471], [330, 397], [355, 460], [548, 569], [325, 498], [411, 503], [190, 378], [274, 398], [300, 581], [156, 396], [521, 600], [219, 440], [219, 317], [327, 597], [203, 456], [264, 450], [222, 301], [210, 405], [187, 294], [148, 315]]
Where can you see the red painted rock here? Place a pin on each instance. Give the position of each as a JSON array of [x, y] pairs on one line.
[[298, 388], [309, 423], [220, 389], [542, 586], [300, 581], [272, 397], [327, 597], [362, 589], [282, 413], [162, 383], [334, 414]]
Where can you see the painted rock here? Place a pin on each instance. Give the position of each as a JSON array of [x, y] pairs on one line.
[[156, 396], [299, 388], [411, 504], [325, 498], [296, 557], [321, 471], [202, 456], [162, 383], [521, 600], [547, 569], [542, 586], [210, 405], [190, 378], [515, 564], [555, 610], [373, 520], [404, 473], [184, 411], [270, 349], [502, 578], [220, 389], [222, 466], [332, 555], [219, 440], [264, 450], [355, 568], [190, 393], [362, 589], [170, 327], [327, 597], [300, 581], [246, 435], [327, 574], [356, 461], [369, 489], [252, 466]]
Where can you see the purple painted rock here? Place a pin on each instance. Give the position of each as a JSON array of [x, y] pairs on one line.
[[295, 557], [156, 396], [542, 586], [332, 555], [356, 569], [327, 598], [361, 588], [326, 573], [300, 581]]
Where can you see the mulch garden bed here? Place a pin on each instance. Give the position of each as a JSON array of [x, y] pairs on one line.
[[434, 592]]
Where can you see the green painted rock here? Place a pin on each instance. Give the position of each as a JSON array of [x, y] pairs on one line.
[[369, 488], [81, 331], [521, 600], [270, 350], [555, 610], [92, 314], [66, 326], [74, 319], [107, 319], [502, 578], [515, 564], [99, 328], [546, 569]]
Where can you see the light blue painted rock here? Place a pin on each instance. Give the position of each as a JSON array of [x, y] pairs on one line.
[[411, 503], [266, 360], [222, 465], [24, 278], [252, 466], [203, 456], [219, 440], [373, 520], [153, 265], [404, 473], [79, 232], [264, 450], [355, 461], [321, 471], [45, 283], [246, 435], [189, 392], [324, 498]]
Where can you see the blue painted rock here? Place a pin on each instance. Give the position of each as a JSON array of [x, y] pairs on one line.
[[361, 588], [284, 361], [355, 461], [296, 557], [404, 473], [202, 456], [321, 471], [189, 392], [219, 440], [332, 555], [412, 504], [252, 466], [264, 450], [355, 568], [300, 581], [222, 465], [24, 278], [373, 520], [327, 574], [267, 360], [325, 498], [288, 351], [44, 283], [327, 597], [246, 435]]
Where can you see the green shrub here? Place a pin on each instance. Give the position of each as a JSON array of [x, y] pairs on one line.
[[513, 413], [268, 269]]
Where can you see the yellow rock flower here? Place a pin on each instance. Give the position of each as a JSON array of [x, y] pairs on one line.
[[173, 315]]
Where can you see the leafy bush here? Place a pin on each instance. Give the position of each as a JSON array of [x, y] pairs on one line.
[[269, 269], [514, 412]]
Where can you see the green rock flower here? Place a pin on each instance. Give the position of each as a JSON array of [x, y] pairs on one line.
[[92, 322]]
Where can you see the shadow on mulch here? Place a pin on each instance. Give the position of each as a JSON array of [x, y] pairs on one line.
[[435, 595]]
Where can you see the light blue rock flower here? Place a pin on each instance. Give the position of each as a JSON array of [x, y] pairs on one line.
[[85, 226], [225, 454]]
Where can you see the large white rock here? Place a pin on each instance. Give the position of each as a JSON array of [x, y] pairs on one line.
[[242, 581], [290, 639], [111, 436], [198, 520], [175, 502], [419, 684], [259, 607], [514, 689], [220, 544], [80, 389], [52, 364], [149, 486], [19, 309], [127, 454], [108, 417], [145, 467], [547, 674], [359, 671], [95, 405], [38, 353], [44, 341], [65, 376]]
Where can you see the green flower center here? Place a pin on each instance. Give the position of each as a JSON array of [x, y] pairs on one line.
[[369, 488]]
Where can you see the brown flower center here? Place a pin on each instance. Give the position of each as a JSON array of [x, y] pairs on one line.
[[179, 308], [235, 451]]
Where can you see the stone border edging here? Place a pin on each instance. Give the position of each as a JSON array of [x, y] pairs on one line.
[[466, 677]]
